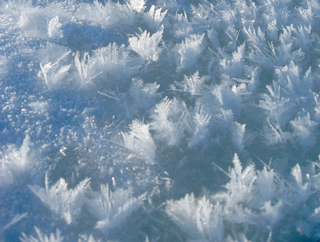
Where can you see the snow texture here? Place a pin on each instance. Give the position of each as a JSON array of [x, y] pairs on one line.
[[159, 120]]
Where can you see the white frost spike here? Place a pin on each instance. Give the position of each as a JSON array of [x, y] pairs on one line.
[[110, 13], [15, 220], [105, 14], [265, 185], [42, 237], [87, 68], [302, 191], [147, 46], [182, 28], [144, 95], [213, 37], [54, 28], [241, 183], [198, 218], [229, 100], [271, 213], [317, 106], [276, 104], [238, 131], [200, 127], [239, 191], [232, 66], [112, 208], [33, 21], [139, 140], [296, 173], [14, 162], [169, 121], [154, 17], [255, 38], [24, 151], [63, 202], [316, 215], [137, 5], [52, 65], [115, 61], [113, 55], [192, 84], [188, 51], [303, 130], [52, 75], [304, 41]]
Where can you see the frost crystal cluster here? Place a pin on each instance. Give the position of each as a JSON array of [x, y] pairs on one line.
[[159, 120]]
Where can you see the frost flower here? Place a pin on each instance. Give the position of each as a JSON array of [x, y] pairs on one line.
[[64, 202], [42, 237], [147, 46], [188, 51], [111, 208], [198, 218], [139, 141]]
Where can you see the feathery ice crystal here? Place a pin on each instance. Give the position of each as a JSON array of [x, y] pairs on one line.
[[159, 120]]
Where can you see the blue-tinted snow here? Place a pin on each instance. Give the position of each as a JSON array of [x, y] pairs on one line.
[[159, 120]]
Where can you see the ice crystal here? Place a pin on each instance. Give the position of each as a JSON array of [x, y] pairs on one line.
[[154, 98], [64, 202], [147, 46], [112, 207]]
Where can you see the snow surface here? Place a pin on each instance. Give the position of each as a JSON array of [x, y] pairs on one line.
[[159, 120]]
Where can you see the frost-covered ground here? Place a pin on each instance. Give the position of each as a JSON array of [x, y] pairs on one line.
[[165, 120]]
